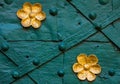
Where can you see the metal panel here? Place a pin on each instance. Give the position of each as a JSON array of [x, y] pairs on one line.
[[46, 55]]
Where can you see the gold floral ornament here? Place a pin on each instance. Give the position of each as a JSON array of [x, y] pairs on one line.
[[31, 15], [86, 67]]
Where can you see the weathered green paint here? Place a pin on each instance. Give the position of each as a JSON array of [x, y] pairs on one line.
[[103, 2], [8, 1], [24, 80], [48, 73], [113, 33], [107, 61], [106, 14], [95, 38], [12, 29], [46, 55]]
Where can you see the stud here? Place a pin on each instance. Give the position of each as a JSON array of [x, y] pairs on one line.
[[36, 62], [8, 1], [103, 2], [111, 72], [62, 46], [60, 73], [53, 11], [15, 74], [92, 16], [5, 46]]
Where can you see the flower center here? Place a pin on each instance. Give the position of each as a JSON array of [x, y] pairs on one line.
[[86, 66], [32, 15]]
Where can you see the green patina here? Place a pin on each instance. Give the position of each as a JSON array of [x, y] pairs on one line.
[[46, 55]]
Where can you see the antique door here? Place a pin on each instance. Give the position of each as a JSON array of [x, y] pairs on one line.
[[46, 55]]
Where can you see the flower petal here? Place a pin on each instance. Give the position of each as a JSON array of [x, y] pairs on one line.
[[82, 75], [82, 59], [96, 69], [36, 8], [90, 76], [26, 22], [92, 59], [35, 23], [32, 15], [27, 7], [22, 14], [77, 68], [41, 16]]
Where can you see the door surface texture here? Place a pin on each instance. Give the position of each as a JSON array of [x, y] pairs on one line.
[[46, 55]]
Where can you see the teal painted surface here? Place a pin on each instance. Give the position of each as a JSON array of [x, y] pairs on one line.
[[46, 55]]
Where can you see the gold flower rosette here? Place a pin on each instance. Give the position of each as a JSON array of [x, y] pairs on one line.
[[86, 67], [31, 15]]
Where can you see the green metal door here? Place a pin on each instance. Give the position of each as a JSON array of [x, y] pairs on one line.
[[46, 55]]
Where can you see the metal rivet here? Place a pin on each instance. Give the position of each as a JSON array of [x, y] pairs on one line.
[[103, 2], [79, 23], [53, 11], [111, 72], [65, 4], [98, 27], [36, 62], [8, 1], [15, 74], [5, 46], [62, 46], [60, 73], [27, 56], [92, 15], [1, 4], [69, 0], [97, 46]]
